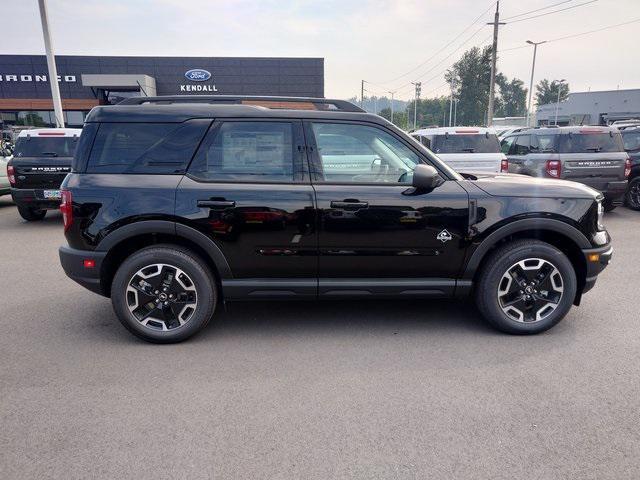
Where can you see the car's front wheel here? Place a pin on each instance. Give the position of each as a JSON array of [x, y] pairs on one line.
[[31, 214], [632, 197], [525, 287], [164, 294]]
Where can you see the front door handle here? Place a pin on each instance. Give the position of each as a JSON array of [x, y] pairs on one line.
[[349, 204], [216, 203]]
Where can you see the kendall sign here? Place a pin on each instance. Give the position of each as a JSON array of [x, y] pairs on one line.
[[198, 75]]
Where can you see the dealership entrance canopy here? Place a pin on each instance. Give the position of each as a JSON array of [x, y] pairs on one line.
[[25, 93]]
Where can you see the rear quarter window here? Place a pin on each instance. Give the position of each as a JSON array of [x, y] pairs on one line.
[[154, 148]]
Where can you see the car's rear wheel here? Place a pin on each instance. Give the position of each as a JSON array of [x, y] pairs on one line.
[[31, 214], [632, 197], [526, 287], [164, 294]]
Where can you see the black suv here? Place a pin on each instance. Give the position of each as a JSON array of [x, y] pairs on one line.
[[41, 160], [175, 204]]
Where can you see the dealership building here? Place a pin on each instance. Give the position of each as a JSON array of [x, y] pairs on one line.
[[84, 81]]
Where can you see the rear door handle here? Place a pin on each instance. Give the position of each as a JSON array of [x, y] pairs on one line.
[[349, 204], [216, 203]]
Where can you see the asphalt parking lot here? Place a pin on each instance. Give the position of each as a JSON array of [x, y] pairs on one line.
[[313, 390]]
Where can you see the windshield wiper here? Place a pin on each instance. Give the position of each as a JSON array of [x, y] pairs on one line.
[[49, 154], [594, 149], [469, 150]]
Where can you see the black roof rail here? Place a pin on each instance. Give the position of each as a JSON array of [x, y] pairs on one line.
[[288, 103]]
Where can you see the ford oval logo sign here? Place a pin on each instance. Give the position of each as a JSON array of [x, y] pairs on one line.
[[197, 75]]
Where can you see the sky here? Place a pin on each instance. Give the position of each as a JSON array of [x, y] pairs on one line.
[[385, 42]]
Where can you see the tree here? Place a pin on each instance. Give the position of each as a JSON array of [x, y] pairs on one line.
[[547, 92], [469, 80], [431, 111], [512, 101], [399, 118]]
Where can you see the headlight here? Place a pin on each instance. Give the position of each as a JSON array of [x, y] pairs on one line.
[[600, 215]]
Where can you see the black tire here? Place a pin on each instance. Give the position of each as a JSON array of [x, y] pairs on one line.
[[500, 263], [199, 278], [31, 214], [632, 197], [608, 205]]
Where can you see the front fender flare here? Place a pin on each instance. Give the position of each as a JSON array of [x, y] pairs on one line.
[[521, 226]]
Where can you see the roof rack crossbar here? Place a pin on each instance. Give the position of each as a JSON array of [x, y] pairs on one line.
[[298, 103]]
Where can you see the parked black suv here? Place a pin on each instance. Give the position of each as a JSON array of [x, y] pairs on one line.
[[41, 160], [631, 139], [175, 204]]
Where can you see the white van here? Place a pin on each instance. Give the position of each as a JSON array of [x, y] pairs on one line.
[[465, 149]]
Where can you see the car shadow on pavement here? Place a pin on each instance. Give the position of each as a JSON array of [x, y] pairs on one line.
[[345, 316]]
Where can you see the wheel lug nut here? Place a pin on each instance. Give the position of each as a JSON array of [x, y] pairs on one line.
[[156, 292], [166, 303]]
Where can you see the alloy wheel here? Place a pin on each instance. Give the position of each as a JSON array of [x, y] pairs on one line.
[[161, 297], [634, 195], [530, 290]]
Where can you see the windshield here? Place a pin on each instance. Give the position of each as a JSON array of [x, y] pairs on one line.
[[466, 143], [45, 146], [591, 142], [631, 140]]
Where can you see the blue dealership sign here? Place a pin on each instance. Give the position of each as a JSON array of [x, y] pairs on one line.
[[197, 75]]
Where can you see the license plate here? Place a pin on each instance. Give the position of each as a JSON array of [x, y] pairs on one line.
[[52, 194]]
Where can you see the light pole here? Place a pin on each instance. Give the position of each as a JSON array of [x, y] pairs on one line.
[[533, 67], [451, 108], [51, 64], [418, 86], [560, 82]]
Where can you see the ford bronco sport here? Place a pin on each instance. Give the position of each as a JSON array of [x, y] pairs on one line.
[[41, 160], [176, 204]]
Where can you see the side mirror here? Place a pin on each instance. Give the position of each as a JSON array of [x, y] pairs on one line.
[[425, 177]]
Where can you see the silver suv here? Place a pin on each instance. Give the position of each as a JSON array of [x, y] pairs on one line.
[[593, 155]]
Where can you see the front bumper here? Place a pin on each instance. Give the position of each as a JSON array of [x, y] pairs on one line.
[[73, 263], [597, 260], [34, 198]]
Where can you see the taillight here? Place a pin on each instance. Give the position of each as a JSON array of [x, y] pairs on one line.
[[627, 167], [554, 168], [66, 209], [11, 173], [504, 166]]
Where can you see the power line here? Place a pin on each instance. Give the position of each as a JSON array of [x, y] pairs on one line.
[[443, 48], [557, 39], [554, 11], [537, 10]]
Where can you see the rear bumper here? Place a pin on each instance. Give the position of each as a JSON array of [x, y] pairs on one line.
[[29, 197], [613, 191], [73, 263], [597, 260]]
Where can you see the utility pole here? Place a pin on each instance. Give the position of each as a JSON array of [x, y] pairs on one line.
[[494, 56], [450, 108], [455, 113], [392, 93], [362, 94], [51, 64], [418, 86], [533, 68]]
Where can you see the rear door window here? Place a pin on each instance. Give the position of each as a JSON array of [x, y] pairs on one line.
[[591, 142], [248, 151], [505, 145], [158, 148], [521, 145], [466, 143]]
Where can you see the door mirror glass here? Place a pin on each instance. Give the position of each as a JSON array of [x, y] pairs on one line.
[[425, 177]]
